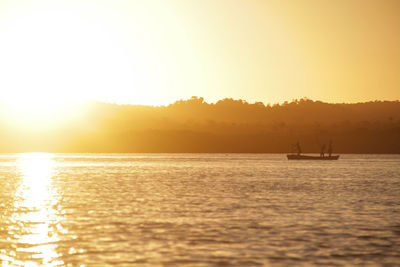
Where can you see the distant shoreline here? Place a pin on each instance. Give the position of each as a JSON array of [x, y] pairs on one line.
[[228, 126]]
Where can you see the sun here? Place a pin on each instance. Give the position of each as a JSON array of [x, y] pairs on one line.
[[56, 54], [35, 106], [37, 113], [53, 59]]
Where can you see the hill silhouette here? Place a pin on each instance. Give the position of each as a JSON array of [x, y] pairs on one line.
[[227, 126]]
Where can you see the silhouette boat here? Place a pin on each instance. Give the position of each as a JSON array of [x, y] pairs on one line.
[[296, 153], [306, 157]]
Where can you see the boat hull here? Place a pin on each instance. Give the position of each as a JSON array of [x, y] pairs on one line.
[[304, 157]]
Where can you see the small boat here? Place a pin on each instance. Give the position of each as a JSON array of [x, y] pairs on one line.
[[297, 153], [305, 157]]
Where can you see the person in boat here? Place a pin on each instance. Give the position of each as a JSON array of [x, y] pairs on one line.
[[322, 154], [298, 148], [330, 148]]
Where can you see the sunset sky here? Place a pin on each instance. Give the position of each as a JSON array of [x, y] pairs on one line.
[[155, 51]]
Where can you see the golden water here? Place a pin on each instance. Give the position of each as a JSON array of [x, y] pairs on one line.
[[198, 210]]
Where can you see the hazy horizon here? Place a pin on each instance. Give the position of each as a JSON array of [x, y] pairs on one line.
[[194, 125], [266, 103]]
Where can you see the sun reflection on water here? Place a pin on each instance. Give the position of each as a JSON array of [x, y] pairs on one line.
[[35, 223]]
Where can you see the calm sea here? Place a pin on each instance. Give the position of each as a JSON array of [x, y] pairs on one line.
[[198, 210]]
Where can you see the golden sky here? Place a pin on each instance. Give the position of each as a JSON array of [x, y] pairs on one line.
[[156, 51]]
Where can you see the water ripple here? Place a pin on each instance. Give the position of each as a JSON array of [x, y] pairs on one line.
[[198, 210]]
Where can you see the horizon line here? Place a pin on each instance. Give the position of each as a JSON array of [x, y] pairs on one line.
[[238, 99]]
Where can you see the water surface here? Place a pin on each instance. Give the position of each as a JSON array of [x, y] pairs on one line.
[[198, 210]]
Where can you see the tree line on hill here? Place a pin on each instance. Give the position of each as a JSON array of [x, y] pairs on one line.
[[228, 126]]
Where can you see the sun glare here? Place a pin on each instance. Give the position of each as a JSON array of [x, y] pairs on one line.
[[39, 114], [49, 65], [39, 223], [35, 106], [52, 56]]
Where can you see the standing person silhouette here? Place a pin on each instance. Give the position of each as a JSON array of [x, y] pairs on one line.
[[322, 154], [330, 148], [298, 148]]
